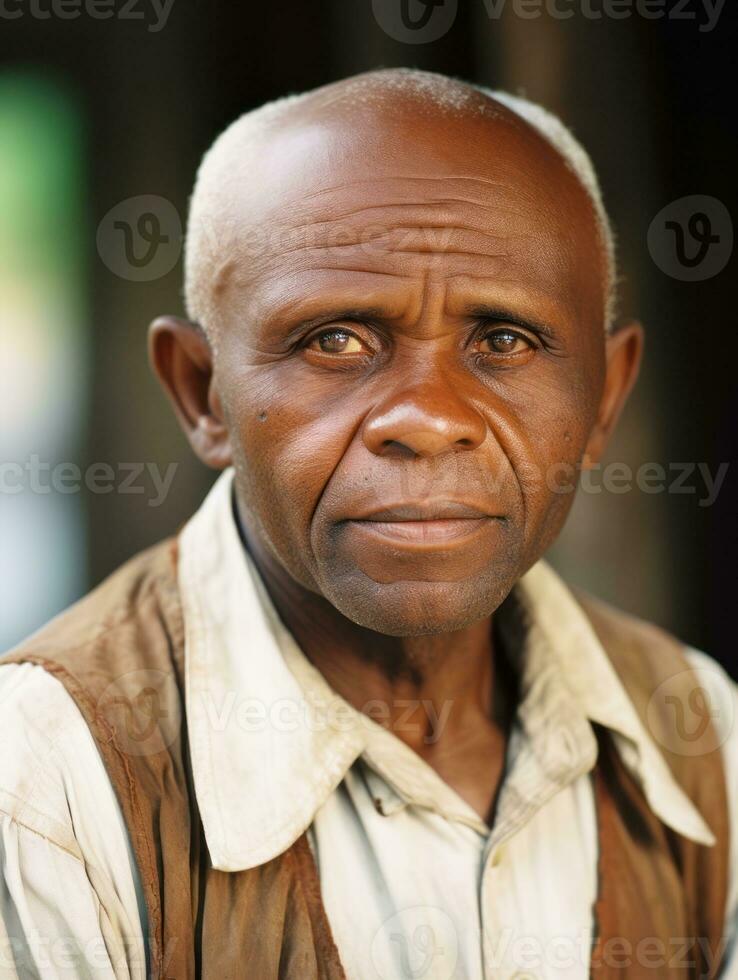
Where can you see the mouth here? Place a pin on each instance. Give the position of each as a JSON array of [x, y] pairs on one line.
[[427, 525]]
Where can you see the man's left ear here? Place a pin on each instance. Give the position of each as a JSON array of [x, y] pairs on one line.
[[182, 359], [623, 351]]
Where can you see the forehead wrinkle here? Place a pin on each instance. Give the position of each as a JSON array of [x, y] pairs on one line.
[[423, 231], [436, 233], [356, 288], [299, 205], [358, 234], [387, 305], [531, 266], [418, 232], [398, 178], [443, 205], [398, 265], [415, 270], [400, 216], [374, 251], [467, 290]]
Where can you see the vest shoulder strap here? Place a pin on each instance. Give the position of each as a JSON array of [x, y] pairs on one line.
[[667, 695]]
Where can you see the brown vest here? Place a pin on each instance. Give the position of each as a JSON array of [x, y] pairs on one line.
[[120, 652]]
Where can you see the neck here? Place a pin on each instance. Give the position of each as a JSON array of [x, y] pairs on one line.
[[433, 691]]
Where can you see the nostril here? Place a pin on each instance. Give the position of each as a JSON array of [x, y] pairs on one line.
[[394, 446]]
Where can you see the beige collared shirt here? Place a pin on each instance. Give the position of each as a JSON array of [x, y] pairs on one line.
[[415, 884]]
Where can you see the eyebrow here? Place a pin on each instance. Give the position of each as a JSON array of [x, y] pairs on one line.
[[492, 312], [340, 313]]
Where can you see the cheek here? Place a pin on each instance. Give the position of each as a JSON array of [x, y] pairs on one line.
[[557, 408], [550, 418], [288, 440]]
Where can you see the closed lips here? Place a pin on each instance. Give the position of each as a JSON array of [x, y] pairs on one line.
[[431, 523], [427, 511]]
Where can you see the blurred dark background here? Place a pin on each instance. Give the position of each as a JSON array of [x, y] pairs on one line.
[[96, 111]]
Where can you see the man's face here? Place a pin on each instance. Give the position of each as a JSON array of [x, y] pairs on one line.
[[410, 357]]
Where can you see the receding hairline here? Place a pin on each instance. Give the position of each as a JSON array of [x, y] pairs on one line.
[[382, 88]]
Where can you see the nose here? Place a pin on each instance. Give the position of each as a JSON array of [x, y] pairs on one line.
[[423, 420]]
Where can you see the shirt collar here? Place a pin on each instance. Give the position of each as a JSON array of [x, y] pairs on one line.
[[558, 626], [265, 755], [270, 740]]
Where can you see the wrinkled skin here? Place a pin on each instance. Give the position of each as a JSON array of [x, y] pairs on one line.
[[425, 324]]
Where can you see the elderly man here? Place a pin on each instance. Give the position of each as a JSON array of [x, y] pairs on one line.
[[349, 723]]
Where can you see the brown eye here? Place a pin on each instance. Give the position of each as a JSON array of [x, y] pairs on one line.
[[505, 342], [337, 341]]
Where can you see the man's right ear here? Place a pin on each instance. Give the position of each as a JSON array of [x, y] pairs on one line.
[[182, 359]]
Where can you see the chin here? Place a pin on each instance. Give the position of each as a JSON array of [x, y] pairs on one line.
[[412, 608]]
